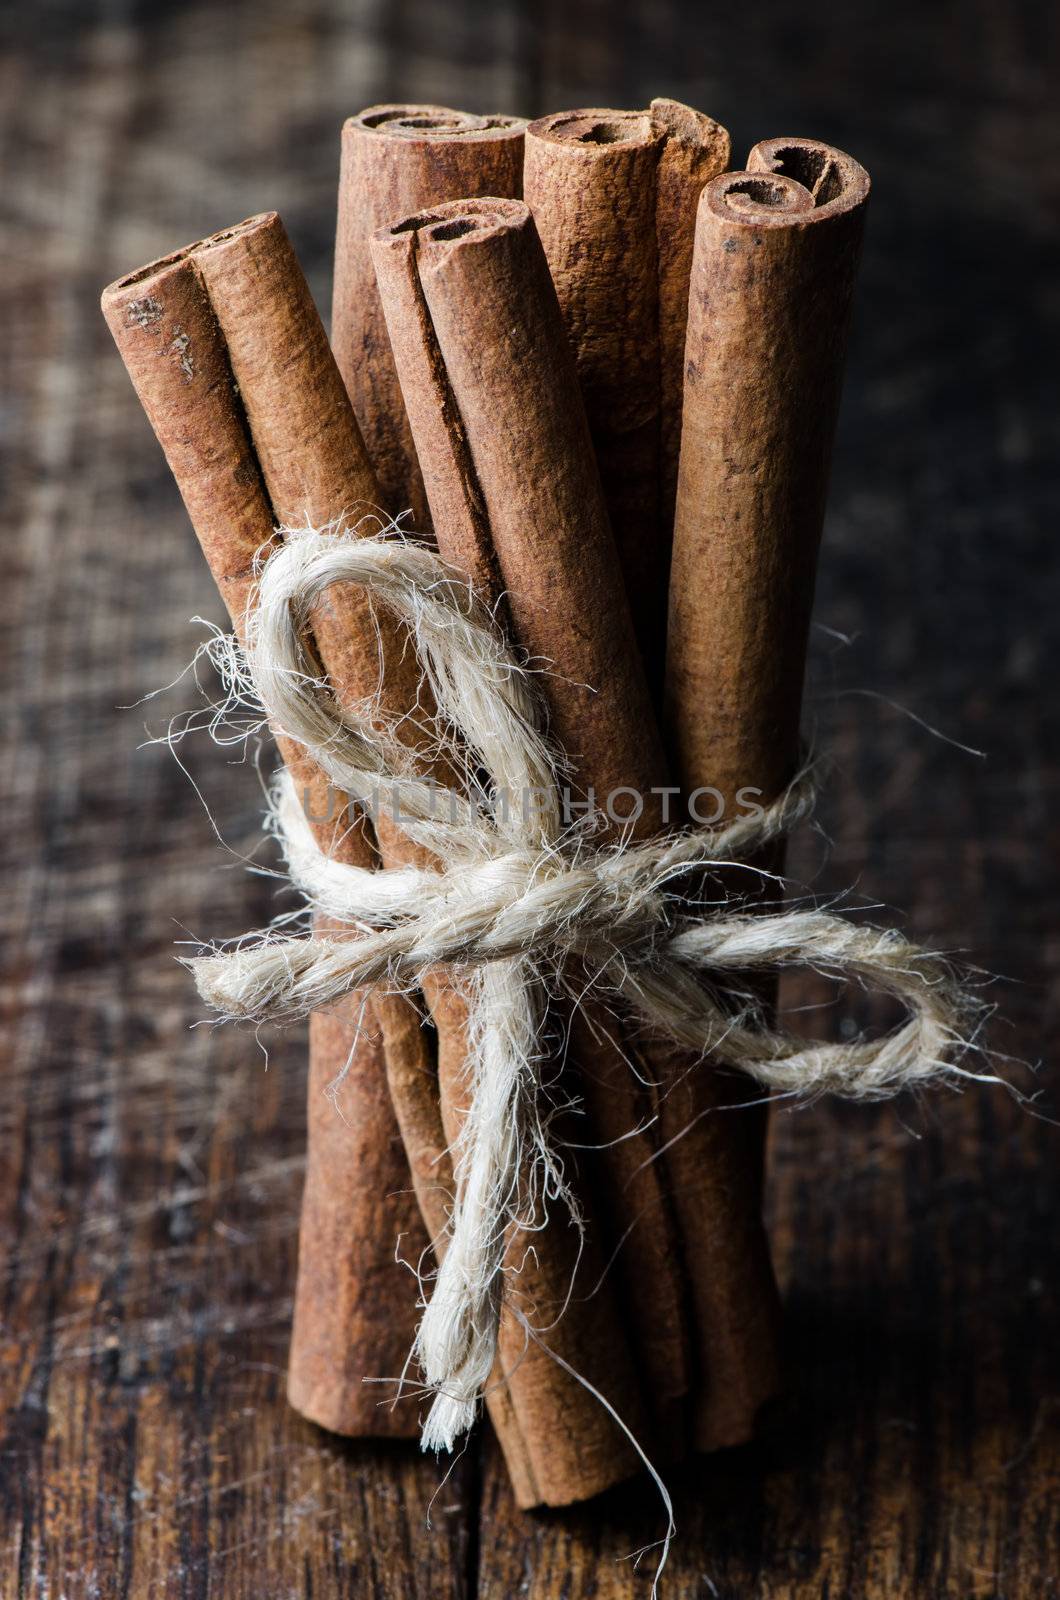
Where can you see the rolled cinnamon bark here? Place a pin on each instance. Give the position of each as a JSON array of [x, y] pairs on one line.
[[539, 433], [297, 428], [503, 442], [772, 279], [559, 1444], [547, 505], [354, 1312], [614, 197], [772, 283], [306, 439], [397, 159]]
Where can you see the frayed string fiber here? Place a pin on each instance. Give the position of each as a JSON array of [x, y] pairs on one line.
[[513, 897]]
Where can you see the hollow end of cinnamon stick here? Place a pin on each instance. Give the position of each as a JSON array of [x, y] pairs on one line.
[[116, 290], [427, 123], [397, 159], [772, 284], [614, 196], [458, 218], [591, 129], [836, 182]]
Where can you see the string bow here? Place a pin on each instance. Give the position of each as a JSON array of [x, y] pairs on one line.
[[513, 894]]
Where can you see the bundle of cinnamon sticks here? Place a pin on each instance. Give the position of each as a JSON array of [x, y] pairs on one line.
[[601, 370]]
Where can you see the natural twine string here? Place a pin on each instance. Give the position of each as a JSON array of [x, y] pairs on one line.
[[514, 895]]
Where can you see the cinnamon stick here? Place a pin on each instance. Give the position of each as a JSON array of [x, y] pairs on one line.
[[503, 442], [559, 1443], [614, 197], [396, 159], [298, 427], [772, 279], [772, 283], [316, 469], [354, 1313], [541, 461]]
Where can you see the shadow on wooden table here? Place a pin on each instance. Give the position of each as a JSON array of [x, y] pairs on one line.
[[894, 1453]]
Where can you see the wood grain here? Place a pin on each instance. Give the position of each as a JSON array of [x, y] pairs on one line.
[[148, 1197]]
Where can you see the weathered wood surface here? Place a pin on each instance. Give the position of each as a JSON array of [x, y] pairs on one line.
[[149, 1192]]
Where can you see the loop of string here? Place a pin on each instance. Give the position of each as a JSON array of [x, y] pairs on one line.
[[514, 895]]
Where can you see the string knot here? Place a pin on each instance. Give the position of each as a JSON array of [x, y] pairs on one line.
[[514, 893]]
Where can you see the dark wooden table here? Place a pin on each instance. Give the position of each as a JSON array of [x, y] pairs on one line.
[[150, 1186]]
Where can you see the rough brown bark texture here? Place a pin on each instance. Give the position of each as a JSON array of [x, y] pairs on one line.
[[397, 159], [354, 1314], [315, 469], [502, 437], [315, 466], [772, 282], [614, 197], [772, 279]]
